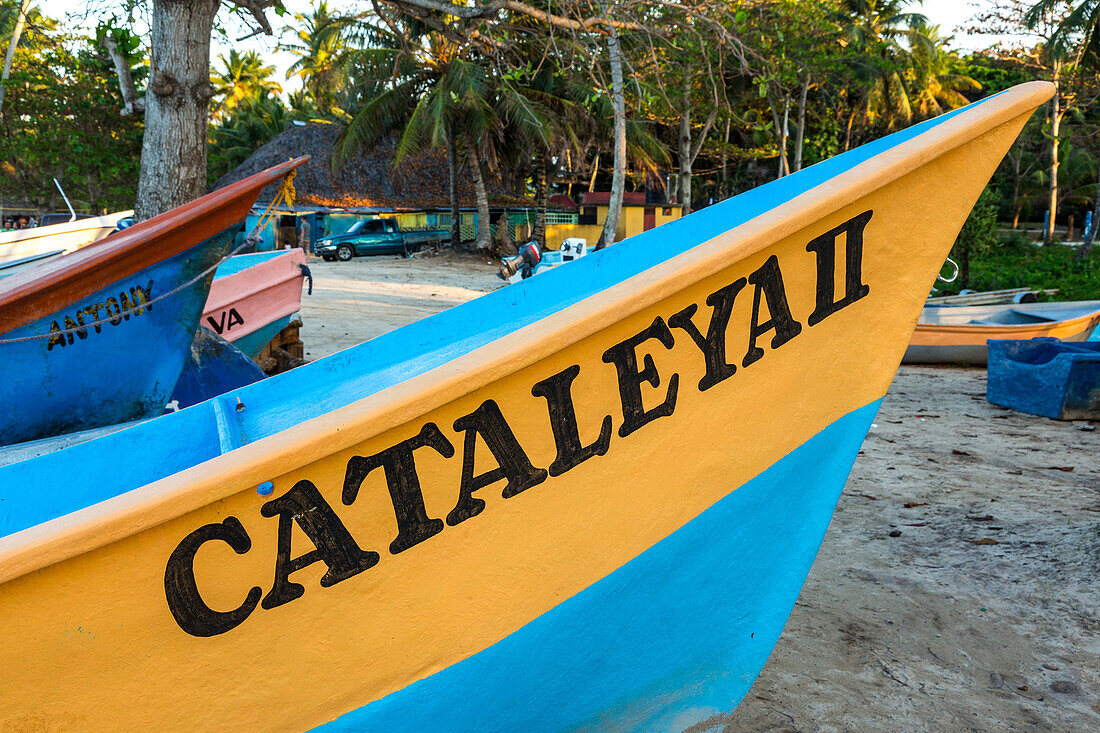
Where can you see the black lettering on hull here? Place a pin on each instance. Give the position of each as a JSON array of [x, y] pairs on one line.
[[334, 545], [624, 356], [114, 310], [824, 247], [512, 462], [413, 523], [563, 422], [187, 606]]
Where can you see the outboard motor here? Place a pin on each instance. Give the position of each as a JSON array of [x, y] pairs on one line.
[[530, 255]]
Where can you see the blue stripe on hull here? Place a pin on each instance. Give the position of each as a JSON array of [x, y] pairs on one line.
[[671, 638], [183, 439], [115, 373]]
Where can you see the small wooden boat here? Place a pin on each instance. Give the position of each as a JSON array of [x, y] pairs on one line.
[[254, 296], [56, 238], [587, 500], [958, 334], [98, 336], [991, 297]]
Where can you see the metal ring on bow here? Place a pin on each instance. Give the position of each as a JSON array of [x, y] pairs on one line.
[[954, 277]]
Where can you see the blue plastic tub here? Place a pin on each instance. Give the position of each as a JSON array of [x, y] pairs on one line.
[[1046, 376]]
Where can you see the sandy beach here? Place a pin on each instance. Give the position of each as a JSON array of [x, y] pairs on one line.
[[956, 589]]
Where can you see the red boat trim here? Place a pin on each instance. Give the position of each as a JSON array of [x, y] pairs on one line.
[[29, 296]]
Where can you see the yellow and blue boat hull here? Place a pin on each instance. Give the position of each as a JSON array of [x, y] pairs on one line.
[[588, 500]]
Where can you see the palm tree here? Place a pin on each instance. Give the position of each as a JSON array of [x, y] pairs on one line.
[[321, 47], [13, 19], [444, 97], [1076, 37], [243, 78], [1078, 33], [873, 29], [934, 87], [251, 124]]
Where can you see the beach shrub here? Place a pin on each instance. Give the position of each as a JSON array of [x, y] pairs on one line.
[[1014, 263]]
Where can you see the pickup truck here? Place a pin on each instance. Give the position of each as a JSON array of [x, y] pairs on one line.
[[374, 237]]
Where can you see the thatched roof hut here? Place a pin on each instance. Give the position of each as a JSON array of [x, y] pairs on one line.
[[368, 180]]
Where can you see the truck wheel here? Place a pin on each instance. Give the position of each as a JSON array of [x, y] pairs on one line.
[[344, 253]]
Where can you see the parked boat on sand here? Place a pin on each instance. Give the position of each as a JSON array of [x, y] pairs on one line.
[[21, 244], [958, 334], [589, 499], [254, 296], [97, 337]]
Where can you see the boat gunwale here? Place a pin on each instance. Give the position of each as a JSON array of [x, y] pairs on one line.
[[36, 293], [173, 496], [66, 227], [287, 274], [1005, 328]]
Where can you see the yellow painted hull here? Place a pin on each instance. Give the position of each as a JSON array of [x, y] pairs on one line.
[[173, 606]]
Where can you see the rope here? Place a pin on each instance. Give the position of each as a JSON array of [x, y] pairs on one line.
[[285, 193], [309, 276]]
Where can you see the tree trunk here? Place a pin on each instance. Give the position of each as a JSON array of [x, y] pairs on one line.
[[618, 174], [595, 170], [848, 133], [784, 165], [9, 57], [1055, 129], [177, 105], [542, 195], [723, 191], [1016, 187], [800, 130], [452, 181], [130, 103], [685, 148], [484, 240], [780, 131], [1090, 237]]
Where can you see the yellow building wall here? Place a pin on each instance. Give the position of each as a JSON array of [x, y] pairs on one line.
[[558, 233], [631, 222]]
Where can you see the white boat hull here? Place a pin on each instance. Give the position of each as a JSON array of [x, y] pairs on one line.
[[24, 243]]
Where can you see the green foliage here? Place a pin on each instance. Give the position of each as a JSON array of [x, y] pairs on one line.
[[61, 118], [251, 124], [323, 61], [978, 234], [243, 80], [1017, 264]]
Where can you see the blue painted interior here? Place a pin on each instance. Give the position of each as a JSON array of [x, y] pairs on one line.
[[672, 638], [1046, 376], [237, 263], [124, 372], [174, 442]]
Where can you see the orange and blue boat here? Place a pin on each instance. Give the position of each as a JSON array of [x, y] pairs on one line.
[[98, 336], [254, 296], [585, 501], [958, 334]]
